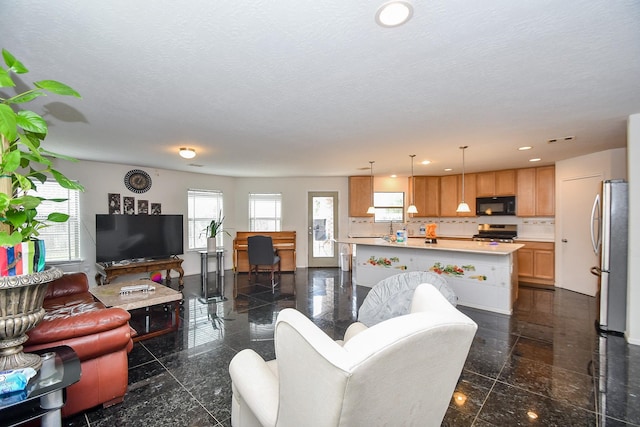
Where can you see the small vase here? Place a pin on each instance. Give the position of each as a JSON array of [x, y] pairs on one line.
[[211, 244]]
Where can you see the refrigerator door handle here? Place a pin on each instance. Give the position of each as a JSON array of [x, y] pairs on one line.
[[596, 234]]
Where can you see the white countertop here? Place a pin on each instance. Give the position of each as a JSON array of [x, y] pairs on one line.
[[442, 245], [535, 239]]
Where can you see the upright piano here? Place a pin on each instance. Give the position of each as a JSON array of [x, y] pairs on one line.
[[283, 241]]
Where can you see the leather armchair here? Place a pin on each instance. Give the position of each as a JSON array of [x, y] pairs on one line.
[[100, 336], [401, 371]]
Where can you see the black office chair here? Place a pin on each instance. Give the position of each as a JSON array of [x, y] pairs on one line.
[[261, 252]]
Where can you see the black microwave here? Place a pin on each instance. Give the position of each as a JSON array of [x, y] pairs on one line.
[[496, 205]]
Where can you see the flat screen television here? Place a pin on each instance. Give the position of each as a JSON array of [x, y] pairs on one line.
[[136, 237]]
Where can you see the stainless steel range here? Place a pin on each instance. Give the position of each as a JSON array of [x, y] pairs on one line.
[[503, 233]]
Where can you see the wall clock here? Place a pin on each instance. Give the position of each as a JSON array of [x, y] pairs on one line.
[[137, 181]]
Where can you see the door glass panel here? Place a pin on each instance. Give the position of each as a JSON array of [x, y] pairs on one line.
[[323, 238]]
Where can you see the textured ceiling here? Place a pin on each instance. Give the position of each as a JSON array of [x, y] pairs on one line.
[[316, 88]]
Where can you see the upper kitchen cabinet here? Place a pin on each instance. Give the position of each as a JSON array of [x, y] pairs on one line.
[[451, 194], [359, 196], [496, 183], [536, 191], [427, 195]]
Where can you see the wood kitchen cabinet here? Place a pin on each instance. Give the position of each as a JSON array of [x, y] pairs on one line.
[[496, 183], [536, 263], [451, 194], [536, 191], [427, 195], [359, 196]]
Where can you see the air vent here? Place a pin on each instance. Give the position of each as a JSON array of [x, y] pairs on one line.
[[563, 139]]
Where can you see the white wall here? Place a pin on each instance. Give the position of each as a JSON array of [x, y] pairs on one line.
[[633, 283], [294, 205], [170, 189]]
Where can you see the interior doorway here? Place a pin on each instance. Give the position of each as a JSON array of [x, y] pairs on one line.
[[323, 229], [576, 256]]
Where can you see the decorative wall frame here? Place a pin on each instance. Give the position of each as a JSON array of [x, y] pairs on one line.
[[129, 205], [143, 207], [114, 203], [156, 209]]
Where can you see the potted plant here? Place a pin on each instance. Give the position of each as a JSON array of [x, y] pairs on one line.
[[212, 231], [24, 163]]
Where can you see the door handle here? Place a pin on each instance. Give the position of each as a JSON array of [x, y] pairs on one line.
[[564, 240]]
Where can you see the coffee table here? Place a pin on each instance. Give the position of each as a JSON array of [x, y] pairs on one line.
[[110, 296]]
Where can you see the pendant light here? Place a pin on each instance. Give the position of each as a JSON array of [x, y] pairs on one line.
[[372, 209], [412, 207], [463, 207]]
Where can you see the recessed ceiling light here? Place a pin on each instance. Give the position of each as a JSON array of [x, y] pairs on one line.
[[525, 148], [394, 13], [448, 169], [394, 176], [535, 160], [426, 162]]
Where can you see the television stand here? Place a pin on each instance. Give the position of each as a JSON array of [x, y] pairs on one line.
[[107, 271]]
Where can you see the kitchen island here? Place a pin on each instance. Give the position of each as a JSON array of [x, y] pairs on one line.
[[483, 275]]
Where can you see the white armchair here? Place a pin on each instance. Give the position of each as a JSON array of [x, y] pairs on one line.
[[402, 371]]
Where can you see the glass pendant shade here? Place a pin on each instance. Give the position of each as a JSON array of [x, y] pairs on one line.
[[463, 207], [412, 209]]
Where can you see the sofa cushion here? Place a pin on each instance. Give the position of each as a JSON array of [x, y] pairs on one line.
[[76, 316], [68, 284]]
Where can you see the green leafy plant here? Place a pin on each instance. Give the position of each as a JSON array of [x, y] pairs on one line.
[[24, 163], [215, 227]]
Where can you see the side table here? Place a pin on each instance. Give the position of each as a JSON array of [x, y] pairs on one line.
[[218, 294], [45, 394]]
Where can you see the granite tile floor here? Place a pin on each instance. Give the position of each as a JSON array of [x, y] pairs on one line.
[[543, 365]]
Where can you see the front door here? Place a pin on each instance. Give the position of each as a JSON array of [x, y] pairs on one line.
[[323, 229]]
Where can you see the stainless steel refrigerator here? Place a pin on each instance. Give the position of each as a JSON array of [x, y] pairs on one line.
[[609, 235]]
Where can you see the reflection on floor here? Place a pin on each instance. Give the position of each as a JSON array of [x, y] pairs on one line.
[[543, 365]]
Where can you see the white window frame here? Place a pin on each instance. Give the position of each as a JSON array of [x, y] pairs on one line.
[[203, 206], [62, 239], [271, 211], [383, 209]]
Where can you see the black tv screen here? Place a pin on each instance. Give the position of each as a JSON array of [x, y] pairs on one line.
[[134, 237]]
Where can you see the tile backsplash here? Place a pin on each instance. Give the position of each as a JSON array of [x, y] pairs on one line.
[[533, 228]]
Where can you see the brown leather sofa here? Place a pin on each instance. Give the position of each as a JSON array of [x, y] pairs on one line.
[[100, 336]]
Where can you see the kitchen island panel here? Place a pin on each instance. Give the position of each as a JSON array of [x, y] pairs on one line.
[[483, 277]]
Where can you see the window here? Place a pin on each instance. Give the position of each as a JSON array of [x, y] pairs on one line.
[[265, 212], [203, 207], [62, 240], [389, 207]]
